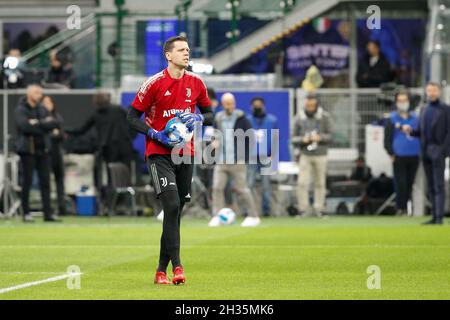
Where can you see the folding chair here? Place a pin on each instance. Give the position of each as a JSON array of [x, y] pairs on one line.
[[120, 176]]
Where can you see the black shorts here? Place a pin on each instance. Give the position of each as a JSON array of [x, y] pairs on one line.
[[169, 176]]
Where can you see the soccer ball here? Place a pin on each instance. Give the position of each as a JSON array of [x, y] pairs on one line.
[[180, 131], [226, 216]]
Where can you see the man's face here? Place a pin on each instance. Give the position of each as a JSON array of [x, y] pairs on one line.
[[179, 55], [311, 105], [34, 95], [433, 92], [229, 104], [48, 104], [373, 49], [258, 105]]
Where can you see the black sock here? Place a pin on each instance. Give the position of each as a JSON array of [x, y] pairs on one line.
[[170, 239]]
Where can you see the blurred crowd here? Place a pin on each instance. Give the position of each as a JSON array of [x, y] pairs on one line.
[[411, 136]]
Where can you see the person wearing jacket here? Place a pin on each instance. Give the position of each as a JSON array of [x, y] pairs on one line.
[[235, 158], [262, 123], [33, 143], [434, 133], [403, 149], [374, 69], [114, 142], [56, 153], [311, 137]]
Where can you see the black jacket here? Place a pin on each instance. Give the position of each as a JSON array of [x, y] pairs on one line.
[[33, 139], [439, 144], [110, 125], [57, 138], [244, 124], [373, 76]]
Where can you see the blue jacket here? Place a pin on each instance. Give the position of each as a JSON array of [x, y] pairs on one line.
[[439, 144], [262, 126], [397, 142]]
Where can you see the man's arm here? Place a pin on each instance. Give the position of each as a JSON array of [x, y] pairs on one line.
[[296, 139], [326, 136], [47, 121], [134, 121], [24, 124], [388, 134], [84, 128], [208, 115]]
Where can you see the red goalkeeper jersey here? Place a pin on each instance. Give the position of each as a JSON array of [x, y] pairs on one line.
[[161, 96]]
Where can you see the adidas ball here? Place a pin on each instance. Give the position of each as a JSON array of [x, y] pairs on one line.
[[180, 131], [226, 216]]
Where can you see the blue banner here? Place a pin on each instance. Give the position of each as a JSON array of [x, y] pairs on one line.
[[323, 43], [156, 32]]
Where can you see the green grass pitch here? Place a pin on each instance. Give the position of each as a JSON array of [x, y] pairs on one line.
[[284, 258]]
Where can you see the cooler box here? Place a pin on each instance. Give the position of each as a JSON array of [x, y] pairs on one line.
[[86, 205]]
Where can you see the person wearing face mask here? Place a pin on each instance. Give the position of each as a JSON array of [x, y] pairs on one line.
[[263, 123], [434, 133], [403, 149], [311, 137]]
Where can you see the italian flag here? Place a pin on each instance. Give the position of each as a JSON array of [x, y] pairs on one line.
[[321, 24]]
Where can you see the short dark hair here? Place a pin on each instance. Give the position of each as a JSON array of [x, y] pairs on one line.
[[402, 92], [261, 99], [311, 96], [169, 44], [375, 42], [434, 84]]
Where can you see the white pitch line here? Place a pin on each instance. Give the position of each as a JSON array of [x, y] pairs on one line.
[[39, 282], [243, 246]]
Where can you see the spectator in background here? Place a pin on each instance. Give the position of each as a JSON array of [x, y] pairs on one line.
[[312, 135], [15, 70], [32, 143], [374, 69], [234, 164], [361, 172], [434, 132], [403, 149], [56, 152], [113, 135], [262, 123], [60, 72]]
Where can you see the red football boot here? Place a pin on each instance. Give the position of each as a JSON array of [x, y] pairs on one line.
[[161, 278], [178, 275]]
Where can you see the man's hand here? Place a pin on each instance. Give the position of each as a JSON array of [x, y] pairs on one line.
[[33, 122], [189, 119], [306, 140], [406, 128], [163, 137], [316, 138]]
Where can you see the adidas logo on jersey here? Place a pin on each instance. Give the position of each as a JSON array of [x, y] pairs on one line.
[[167, 93]]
